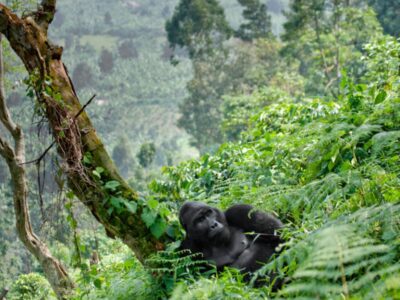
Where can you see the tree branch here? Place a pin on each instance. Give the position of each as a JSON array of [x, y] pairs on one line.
[[83, 107], [5, 117], [55, 272]]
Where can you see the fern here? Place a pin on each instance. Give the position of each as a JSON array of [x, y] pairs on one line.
[[385, 144], [337, 255], [345, 258], [331, 172], [172, 266]]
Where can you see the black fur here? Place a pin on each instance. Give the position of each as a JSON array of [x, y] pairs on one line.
[[239, 237]]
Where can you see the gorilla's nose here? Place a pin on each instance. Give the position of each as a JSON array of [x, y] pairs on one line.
[[215, 225]]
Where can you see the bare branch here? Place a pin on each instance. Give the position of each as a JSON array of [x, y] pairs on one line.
[[54, 270], [39, 159], [5, 117], [83, 107]]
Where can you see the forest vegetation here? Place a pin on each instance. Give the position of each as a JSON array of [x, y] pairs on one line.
[[113, 114]]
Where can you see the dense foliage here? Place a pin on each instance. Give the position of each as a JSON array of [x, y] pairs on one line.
[[306, 126], [330, 170]]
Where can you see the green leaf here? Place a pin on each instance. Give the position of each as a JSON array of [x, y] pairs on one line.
[[84, 267], [164, 211], [98, 172], [380, 97], [112, 185], [87, 158], [30, 93], [48, 90], [158, 227], [152, 204], [148, 217], [116, 202], [110, 210], [82, 247], [97, 283], [58, 97], [131, 206], [70, 195]]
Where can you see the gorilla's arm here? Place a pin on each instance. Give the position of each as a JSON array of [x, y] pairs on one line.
[[245, 217]]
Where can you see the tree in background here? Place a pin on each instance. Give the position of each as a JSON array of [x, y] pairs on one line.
[[199, 26], [127, 50], [82, 75], [233, 67], [326, 36], [146, 154], [388, 13], [257, 21], [106, 61], [108, 18], [122, 156], [242, 70]]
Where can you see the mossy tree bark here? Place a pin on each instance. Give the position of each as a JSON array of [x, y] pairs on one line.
[[72, 129]]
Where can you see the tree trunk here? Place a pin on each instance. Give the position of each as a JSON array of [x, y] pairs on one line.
[[73, 132], [53, 269], [3, 294]]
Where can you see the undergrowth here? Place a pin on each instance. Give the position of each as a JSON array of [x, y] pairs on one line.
[[328, 168]]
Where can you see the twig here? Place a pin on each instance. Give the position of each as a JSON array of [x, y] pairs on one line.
[[83, 107], [37, 160]]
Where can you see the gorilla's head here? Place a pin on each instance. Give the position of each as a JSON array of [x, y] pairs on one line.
[[204, 223]]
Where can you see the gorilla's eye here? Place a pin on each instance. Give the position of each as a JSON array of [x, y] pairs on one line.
[[208, 212], [200, 219]]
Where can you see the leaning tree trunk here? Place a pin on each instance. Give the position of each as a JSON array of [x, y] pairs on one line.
[[14, 157], [78, 144]]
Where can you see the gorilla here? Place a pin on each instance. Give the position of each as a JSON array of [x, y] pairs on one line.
[[239, 237]]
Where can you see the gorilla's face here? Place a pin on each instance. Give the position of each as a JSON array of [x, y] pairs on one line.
[[204, 223]]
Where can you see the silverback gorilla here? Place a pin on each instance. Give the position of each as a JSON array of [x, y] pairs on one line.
[[239, 237]]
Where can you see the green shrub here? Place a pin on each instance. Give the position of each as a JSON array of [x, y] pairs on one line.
[[32, 286]]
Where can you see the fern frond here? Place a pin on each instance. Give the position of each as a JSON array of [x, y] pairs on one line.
[[336, 258]]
